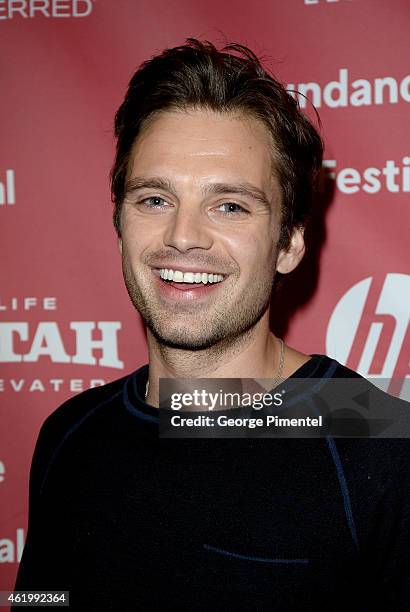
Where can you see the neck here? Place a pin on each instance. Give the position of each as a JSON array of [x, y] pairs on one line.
[[254, 354]]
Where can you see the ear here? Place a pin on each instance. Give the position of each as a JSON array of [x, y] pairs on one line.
[[289, 259], [120, 244]]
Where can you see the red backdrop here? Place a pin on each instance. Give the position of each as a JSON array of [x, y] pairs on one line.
[[65, 318]]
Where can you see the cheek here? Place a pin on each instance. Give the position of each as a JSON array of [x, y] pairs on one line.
[[130, 253], [253, 251], [140, 234], [134, 239]]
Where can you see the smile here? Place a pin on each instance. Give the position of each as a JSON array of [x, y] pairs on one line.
[[190, 277]]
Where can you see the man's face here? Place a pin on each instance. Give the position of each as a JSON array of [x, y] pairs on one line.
[[200, 197]]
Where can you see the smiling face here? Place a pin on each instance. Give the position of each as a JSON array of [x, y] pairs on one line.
[[201, 197]]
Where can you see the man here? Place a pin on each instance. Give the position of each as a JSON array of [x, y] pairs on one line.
[[212, 184]]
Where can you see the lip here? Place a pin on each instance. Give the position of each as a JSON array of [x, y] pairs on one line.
[[187, 269], [173, 292]]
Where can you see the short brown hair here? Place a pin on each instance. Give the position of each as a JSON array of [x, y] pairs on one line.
[[198, 75]]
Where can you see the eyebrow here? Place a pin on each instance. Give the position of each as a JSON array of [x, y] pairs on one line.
[[244, 188]]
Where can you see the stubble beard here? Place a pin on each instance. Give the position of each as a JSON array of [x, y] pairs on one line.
[[194, 327]]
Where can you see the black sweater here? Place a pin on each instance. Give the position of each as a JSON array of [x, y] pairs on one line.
[[126, 520]]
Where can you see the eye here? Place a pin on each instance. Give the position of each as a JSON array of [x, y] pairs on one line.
[[153, 202], [232, 208], [154, 205]]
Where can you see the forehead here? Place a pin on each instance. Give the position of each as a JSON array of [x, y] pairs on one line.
[[204, 145]]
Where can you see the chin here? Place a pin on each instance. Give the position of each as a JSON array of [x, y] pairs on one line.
[[180, 339]]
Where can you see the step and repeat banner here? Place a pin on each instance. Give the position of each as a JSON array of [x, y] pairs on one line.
[[66, 323]]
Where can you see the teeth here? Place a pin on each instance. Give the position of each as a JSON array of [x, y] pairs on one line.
[[190, 277]]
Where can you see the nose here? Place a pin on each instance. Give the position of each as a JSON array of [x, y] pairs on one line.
[[187, 230]]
